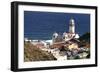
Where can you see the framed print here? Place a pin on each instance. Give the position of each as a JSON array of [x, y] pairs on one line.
[[52, 36]]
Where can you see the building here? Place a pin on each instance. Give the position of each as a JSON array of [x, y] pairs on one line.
[[73, 44], [71, 26], [71, 34], [66, 35], [54, 37]]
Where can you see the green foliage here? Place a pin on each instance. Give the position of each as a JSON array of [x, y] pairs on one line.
[[85, 37], [85, 40]]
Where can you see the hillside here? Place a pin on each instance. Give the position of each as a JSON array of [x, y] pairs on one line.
[[32, 53]]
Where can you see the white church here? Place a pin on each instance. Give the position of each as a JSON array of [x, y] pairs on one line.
[[68, 35]]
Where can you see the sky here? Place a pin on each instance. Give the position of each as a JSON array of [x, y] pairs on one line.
[[46, 23]]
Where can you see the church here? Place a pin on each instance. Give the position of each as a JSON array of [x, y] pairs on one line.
[[71, 34]]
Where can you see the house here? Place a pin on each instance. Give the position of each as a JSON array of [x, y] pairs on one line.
[[73, 44]]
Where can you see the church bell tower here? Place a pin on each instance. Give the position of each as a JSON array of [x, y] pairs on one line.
[[71, 26]]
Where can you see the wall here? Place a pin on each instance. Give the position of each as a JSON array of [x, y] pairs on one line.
[[5, 17]]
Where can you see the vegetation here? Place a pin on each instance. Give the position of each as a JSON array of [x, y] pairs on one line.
[[85, 40], [32, 53]]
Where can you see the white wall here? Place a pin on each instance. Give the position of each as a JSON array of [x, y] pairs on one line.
[[5, 17]]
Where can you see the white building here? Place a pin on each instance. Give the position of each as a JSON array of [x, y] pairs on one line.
[[71, 26], [55, 35], [71, 34]]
